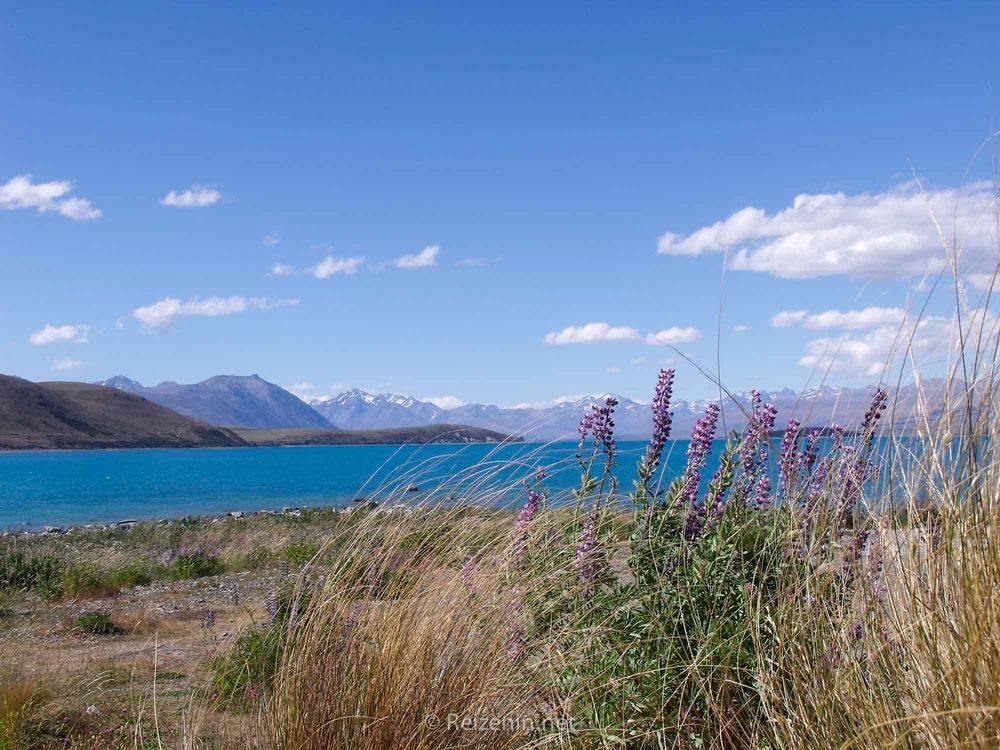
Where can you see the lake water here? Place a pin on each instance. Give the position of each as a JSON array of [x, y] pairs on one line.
[[60, 488]]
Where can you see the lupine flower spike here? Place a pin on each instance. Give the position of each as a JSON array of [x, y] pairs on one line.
[[697, 453], [650, 461]]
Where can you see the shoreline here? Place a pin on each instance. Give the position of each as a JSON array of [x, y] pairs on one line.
[[297, 511]]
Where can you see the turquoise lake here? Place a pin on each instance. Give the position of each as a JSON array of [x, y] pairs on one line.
[[59, 488]]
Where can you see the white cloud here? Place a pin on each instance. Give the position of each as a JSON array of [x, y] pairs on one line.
[[271, 240], [639, 361], [591, 333], [51, 334], [789, 318], [557, 401], [614, 370], [21, 192], [165, 311], [330, 266], [870, 317], [740, 328], [673, 335], [423, 259], [867, 235], [867, 353], [65, 363], [444, 402], [472, 263], [303, 390], [281, 269], [193, 197]]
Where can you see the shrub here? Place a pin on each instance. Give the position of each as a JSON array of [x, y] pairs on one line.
[[195, 565]]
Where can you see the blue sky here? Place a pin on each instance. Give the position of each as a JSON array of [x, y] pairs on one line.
[[544, 152]]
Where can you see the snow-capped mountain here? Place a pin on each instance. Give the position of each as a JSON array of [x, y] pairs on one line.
[[251, 401], [360, 410], [816, 407]]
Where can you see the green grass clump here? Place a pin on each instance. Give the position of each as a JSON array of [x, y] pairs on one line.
[[300, 552], [195, 565], [22, 572], [246, 670], [98, 622]]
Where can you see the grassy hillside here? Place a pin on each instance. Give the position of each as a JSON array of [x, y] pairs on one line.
[[79, 415]]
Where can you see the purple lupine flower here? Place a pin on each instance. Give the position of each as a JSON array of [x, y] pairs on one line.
[[599, 422], [694, 523], [716, 500], [697, 453], [789, 455], [762, 493], [753, 450], [661, 425], [589, 562], [817, 483], [604, 428], [875, 409], [807, 459], [524, 518]]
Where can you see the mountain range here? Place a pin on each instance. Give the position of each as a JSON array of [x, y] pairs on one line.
[[250, 401], [88, 415]]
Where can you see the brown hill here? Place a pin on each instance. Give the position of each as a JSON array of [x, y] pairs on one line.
[[80, 415]]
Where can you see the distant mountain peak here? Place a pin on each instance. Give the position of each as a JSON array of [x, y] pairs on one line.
[[122, 383], [231, 400]]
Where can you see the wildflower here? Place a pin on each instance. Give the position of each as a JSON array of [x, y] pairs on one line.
[[807, 459], [875, 409], [661, 426], [697, 453], [753, 449], [599, 422], [524, 518], [695, 522], [589, 563], [789, 455], [762, 493]]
